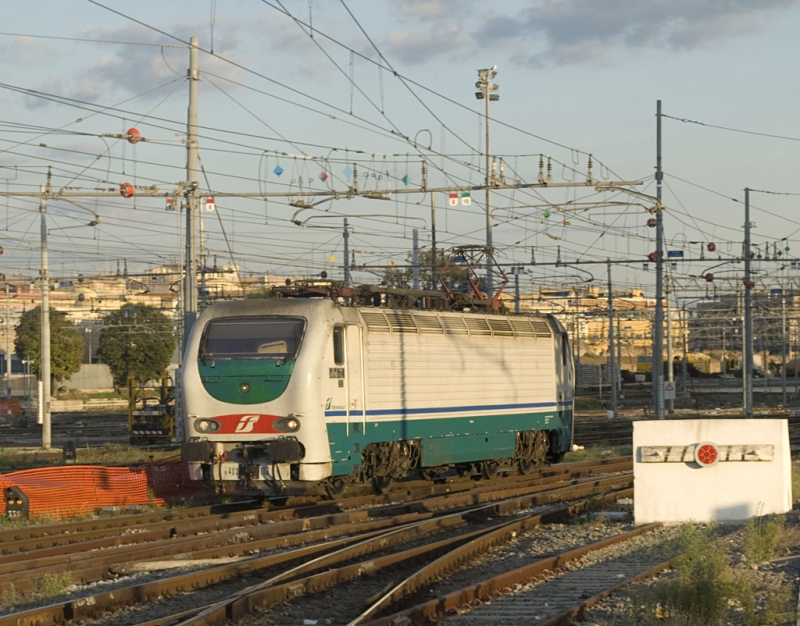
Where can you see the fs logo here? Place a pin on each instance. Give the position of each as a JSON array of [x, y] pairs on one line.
[[247, 423]]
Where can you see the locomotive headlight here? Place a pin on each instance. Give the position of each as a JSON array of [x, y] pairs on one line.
[[206, 426], [244, 387], [286, 424]]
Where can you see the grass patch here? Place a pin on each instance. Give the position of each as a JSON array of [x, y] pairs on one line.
[[705, 589], [107, 395], [120, 454], [761, 535], [795, 484], [47, 586], [597, 452]]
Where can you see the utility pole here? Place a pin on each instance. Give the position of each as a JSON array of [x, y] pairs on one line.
[[747, 372], [670, 373], [44, 369], [192, 161], [8, 346], [658, 330], [517, 271], [487, 92], [611, 356], [434, 282], [415, 259], [346, 236], [783, 336]]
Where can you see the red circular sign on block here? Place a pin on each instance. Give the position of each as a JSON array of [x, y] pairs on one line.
[[706, 454]]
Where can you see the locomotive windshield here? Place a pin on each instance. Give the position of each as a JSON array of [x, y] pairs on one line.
[[252, 338]]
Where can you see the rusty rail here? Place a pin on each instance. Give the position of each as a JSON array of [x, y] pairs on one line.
[[440, 607]]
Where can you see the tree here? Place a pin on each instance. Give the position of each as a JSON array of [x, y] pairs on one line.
[[66, 345], [137, 340], [457, 279]]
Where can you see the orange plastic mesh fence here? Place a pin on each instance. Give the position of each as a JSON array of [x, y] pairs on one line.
[[10, 406], [69, 490]]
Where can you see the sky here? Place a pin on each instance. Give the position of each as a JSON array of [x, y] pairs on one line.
[[292, 92]]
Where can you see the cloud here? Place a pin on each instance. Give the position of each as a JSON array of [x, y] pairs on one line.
[[575, 31], [569, 31], [435, 9], [414, 47], [136, 69]]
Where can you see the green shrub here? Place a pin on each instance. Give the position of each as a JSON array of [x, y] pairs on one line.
[[761, 536], [52, 585], [703, 581]]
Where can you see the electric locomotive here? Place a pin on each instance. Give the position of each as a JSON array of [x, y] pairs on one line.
[[282, 394]]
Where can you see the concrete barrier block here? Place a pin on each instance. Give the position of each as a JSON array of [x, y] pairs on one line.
[[710, 470]]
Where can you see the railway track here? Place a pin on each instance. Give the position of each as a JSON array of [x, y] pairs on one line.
[[295, 550]]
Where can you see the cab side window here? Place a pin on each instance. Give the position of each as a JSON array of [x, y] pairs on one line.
[[338, 345]]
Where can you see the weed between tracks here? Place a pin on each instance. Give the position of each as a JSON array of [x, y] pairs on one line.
[[708, 587], [47, 586]]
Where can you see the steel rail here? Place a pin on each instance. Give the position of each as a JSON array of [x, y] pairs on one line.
[[269, 593], [441, 566], [87, 607], [90, 606], [439, 608], [89, 567], [566, 618]]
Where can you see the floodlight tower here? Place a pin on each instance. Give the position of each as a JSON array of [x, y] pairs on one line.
[[487, 91]]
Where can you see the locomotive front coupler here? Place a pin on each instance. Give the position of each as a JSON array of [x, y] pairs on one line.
[[283, 450]]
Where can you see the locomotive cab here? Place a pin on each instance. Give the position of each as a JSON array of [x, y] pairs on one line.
[[249, 416]]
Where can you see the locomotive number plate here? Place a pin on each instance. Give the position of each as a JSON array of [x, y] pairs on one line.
[[230, 471], [336, 372]]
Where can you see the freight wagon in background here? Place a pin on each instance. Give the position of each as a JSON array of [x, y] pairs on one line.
[[281, 394]]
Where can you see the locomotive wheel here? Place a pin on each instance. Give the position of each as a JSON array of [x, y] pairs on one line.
[[334, 488], [381, 484], [525, 467], [489, 469]]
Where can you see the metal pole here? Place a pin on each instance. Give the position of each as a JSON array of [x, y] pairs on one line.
[[619, 351], [201, 240], [577, 349], [516, 290], [670, 372], [489, 269], [685, 368], [192, 161], [346, 236], [8, 345], [434, 282], [44, 399], [724, 364], [796, 377], [783, 337], [611, 349], [658, 330], [415, 259], [748, 317]]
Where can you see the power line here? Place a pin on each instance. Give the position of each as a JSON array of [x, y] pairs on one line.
[[734, 130]]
